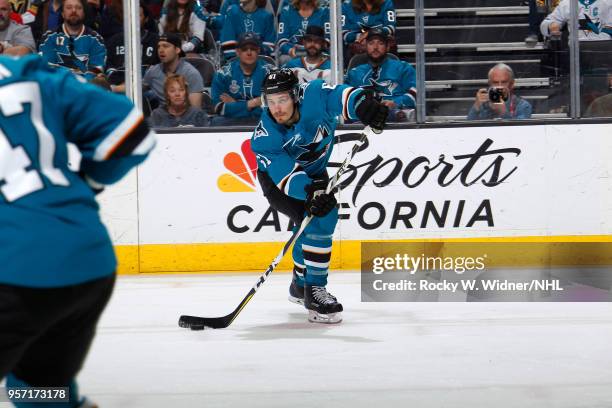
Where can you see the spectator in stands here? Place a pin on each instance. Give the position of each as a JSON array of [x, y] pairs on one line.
[[249, 16], [594, 20], [24, 11], [499, 101], [93, 13], [115, 46], [295, 18], [170, 53], [15, 39], [360, 15], [314, 64], [111, 20], [236, 88], [392, 80], [178, 111], [184, 17], [270, 6], [73, 45]]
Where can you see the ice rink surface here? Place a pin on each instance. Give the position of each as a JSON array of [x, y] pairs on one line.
[[382, 355]]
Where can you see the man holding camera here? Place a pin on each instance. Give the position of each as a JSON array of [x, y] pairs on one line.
[[499, 101]]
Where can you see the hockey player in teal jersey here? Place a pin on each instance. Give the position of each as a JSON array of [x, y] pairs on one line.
[[58, 264], [293, 143]]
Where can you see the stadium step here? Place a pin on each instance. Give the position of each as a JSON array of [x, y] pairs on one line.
[[460, 3], [464, 11], [472, 47], [464, 33], [460, 70]]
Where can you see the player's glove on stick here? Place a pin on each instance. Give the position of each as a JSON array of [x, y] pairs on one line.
[[318, 202], [370, 111]]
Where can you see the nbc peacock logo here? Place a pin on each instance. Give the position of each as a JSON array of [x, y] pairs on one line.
[[242, 171]]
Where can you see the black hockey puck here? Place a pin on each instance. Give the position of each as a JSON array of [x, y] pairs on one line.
[[197, 327]]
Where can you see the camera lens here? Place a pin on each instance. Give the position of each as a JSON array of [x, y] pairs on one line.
[[495, 95]]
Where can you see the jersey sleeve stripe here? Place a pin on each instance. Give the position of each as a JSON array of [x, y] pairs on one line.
[[146, 145], [284, 181], [285, 188], [346, 96], [132, 127]]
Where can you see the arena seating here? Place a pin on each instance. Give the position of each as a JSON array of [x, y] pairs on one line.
[[463, 40]]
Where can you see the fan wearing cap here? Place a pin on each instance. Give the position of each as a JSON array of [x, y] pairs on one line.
[[248, 16], [294, 18], [392, 80], [315, 64], [169, 52], [293, 143], [236, 88]]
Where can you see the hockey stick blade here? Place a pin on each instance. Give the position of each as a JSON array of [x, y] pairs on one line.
[[200, 323]]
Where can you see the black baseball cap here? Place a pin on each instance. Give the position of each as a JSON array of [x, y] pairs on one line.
[[315, 32], [249, 38], [377, 32], [173, 39]]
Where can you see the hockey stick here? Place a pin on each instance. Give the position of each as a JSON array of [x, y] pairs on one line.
[[199, 323]]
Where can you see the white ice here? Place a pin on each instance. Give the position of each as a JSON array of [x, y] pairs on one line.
[[383, 355]]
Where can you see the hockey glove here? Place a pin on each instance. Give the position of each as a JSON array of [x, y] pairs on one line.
[[370, 111], [318, 202]]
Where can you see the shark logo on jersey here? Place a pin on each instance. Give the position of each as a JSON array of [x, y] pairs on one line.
[[365, 19], [385, 87], [72, 60], [365, 27], [234, 87], [260, 131], [322, 133], [311, 152]]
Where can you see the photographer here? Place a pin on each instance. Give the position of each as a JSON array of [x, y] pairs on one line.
[[499, 101]]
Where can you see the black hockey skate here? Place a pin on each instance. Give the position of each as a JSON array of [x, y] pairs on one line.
[[322, 306], [296, 292]]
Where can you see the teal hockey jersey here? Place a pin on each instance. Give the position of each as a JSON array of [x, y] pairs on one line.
[[292, 156], [50, 231]]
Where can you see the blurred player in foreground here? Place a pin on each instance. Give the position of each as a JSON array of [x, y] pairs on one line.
[[57, 261]]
